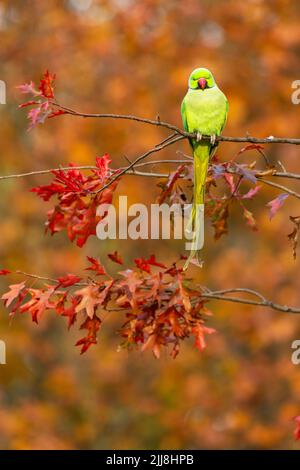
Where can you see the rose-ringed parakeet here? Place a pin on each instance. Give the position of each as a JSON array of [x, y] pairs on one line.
[[204, 112]]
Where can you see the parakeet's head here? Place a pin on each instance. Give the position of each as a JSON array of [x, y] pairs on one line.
[[200, 79]]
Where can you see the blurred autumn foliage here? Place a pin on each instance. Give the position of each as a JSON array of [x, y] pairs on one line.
[[125, 56]]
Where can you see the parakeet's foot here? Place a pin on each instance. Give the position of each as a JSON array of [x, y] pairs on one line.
[[199, 136], [213, 139]]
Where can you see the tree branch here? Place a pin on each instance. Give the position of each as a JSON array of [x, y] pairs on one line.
[[155, 149], [279, 186], [206, 294], [222, 295], [177, 130], [259, 174]]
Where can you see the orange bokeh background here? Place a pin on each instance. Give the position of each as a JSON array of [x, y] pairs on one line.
[[134, 57]]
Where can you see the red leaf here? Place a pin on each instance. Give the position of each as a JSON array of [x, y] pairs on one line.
[[153, 262], [39, 302], [3, 272], [297, 429], [47, 191], [96, 266], [68, 280], [28, 103], [199, 332], [57, 113], [92, 325], [115, 257], [69, 312], [276, 203], [251, 193], [103, 164], [167, 188], [46, 85], [144, 264], [230, 181], [250, 147]]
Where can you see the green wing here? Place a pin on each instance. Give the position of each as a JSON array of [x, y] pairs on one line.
[[184, 120], [183, 116], [226, 114]]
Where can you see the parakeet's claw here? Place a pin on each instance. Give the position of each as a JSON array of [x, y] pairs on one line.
[[199, 136], [213, 139]]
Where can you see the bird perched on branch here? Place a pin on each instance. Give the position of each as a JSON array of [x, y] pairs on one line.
[[204, 112]]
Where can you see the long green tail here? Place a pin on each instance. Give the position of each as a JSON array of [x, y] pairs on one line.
[[195, 225]]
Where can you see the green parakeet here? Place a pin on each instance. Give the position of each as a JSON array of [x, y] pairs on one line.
[[204, 112]]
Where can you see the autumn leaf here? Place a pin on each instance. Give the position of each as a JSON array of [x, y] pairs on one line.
[[28, 103], [251, 193], [39, 302], [184, 296], [92, 325], [293, 236], [89, 299], [168, 187], [276, 204], [4, 272], [297, 429], [250, 147], [250, 219], [115, 257], [173, 317], [59, 112], [96, 266], [219, 217], [14, 292], [28, 88], [43, 108], [46, 86], [199, 331], [103, 164], [245, 171], [153, 344], [144, 264], [38, 115], [68, 280], [75, 212]]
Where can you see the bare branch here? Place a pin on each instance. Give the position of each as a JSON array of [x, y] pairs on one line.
[[46, 172], [279, 186], [177, 130], [49, 279], [222, 295], [35, 276], [157, 148]]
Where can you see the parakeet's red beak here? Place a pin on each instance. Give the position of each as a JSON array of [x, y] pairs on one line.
[[202, 83]]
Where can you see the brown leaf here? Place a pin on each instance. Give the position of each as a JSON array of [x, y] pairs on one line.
[[293, 236]]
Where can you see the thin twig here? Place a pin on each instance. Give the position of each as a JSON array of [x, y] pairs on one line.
[[259, 174], [48, 279], [222, 295], [279, 186], [157, 148], [46, 172]]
